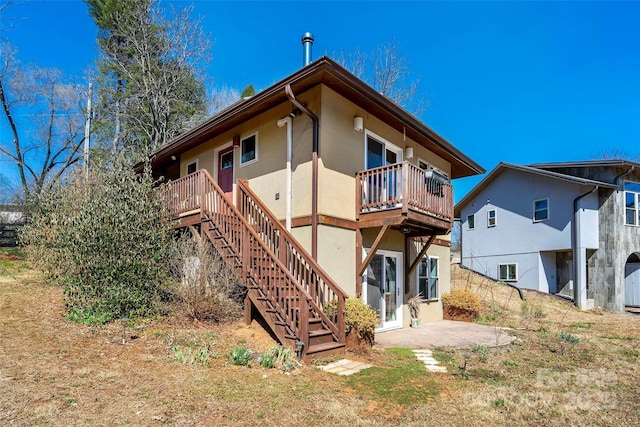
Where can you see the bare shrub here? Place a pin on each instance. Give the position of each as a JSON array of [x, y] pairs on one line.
[[203, 284]]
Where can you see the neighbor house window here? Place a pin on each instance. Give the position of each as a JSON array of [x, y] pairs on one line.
[[428, 272], [249, 149], [508, 272], [471, 222], [192, 167], [632, 203], [541, 210], [491, 218]]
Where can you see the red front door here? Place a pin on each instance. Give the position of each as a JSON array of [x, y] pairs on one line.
[[225, 171]]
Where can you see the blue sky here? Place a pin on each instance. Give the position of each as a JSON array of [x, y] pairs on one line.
[[521, 82]]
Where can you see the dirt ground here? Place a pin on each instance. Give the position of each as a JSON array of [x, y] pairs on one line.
[[566, 368]]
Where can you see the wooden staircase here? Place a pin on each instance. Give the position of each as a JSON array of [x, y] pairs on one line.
[[296, 298]]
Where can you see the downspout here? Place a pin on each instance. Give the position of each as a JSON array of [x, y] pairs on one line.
[[579, 297], [287, 121], [631, 169], [314, 171]]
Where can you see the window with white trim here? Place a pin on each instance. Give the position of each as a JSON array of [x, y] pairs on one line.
[[249, 149], [428, 277], [492, 218], [471, 222], [192, 167], [632, 203], [540, 210], [508, 272]]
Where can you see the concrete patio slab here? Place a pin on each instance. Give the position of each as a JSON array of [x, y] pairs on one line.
[[444, 333]]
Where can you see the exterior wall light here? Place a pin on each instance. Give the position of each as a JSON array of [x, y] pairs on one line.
[[358, 124], [408, 152]]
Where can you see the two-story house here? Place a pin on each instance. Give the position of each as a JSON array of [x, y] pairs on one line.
[[331, 190], [564, 228]]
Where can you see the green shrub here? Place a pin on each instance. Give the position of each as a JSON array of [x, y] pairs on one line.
[[278, 357], [240, 356], [266, 360], [462, 299], [361, 319], [193, 356], [105, 240], [565, 336]]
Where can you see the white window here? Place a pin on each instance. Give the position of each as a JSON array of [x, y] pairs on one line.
[[192, 167], [632, 203], [471, 222], [508, 272], [249, 149], [380, 152], [541, 210], [428, 277], [492, 218]]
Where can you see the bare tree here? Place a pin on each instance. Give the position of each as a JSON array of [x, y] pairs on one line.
[[388, 72], [617, 154], [45, 118], [221, 98]]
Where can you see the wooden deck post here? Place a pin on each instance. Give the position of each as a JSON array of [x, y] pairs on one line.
[[248, 310]]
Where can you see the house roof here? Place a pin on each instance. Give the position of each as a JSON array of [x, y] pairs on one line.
[[586, 163], [328, 72], [533, 169]]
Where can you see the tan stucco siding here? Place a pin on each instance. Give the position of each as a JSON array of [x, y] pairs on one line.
[[342, 152], [267, 175], [431, 310], [202, 154], [341, 155], [394, 241], [336, 255]]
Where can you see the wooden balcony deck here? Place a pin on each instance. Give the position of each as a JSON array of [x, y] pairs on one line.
[[405, 197]]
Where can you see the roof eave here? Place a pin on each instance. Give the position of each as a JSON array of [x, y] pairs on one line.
[[322, 71], [527, 169]]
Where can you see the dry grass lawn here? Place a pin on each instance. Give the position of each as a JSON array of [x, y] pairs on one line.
[[566, 368]]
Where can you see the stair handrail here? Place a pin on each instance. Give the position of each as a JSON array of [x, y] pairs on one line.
[[295, 254], [202, 177]]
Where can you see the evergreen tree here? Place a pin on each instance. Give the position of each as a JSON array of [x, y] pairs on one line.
[[150, 85]]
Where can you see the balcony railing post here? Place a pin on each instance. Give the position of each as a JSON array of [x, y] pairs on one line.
[[405, 196]]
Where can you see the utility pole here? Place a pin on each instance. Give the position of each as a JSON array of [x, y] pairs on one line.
[[87, 134]]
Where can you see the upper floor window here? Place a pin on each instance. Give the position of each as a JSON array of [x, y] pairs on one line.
[[508, 272], [632, 203], [249, 149], [541, 210], [492, 218], [380, 152], [428, 277], [471, 222], [192, 167]]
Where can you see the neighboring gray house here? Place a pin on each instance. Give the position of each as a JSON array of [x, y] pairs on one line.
[[564, 228]]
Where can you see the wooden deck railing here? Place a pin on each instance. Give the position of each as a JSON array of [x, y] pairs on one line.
[[324, 292], [405, 186], [295, 285]]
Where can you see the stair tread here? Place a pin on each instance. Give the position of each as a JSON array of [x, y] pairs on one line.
[[320, 332], [324, 347]]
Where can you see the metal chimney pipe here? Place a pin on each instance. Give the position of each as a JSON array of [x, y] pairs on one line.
[[307, 42]]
